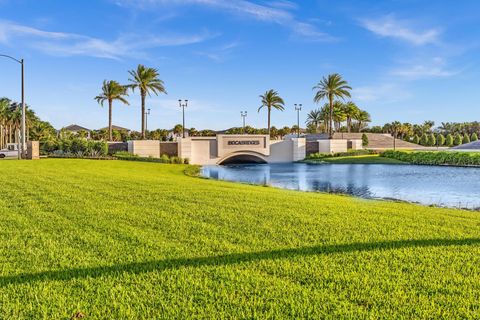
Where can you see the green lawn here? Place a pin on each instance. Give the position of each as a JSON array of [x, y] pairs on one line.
[[131, 240]]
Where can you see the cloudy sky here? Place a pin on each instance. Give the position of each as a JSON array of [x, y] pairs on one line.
[[407, 60]]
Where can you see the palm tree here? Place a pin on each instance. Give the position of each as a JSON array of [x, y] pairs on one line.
[[350, 110], [362, 118], [111, 90], [338, 115], [331, 87], [147, 81], [314, 118], [271, 99]]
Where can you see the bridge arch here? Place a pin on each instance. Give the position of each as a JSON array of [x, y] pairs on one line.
[[242, 157]]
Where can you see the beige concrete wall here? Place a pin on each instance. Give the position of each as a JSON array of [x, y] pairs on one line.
[[144, 148], [299, 149], [332, 145], [280, 151]]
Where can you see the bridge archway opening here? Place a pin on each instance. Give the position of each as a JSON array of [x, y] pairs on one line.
[[242, 159]]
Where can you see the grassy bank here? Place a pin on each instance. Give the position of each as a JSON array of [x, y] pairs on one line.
[[132, 240], [362, 159]]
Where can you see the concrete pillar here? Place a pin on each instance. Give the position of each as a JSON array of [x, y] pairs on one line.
[[332, 145], [185, 148], [299, 149], [33, 150]]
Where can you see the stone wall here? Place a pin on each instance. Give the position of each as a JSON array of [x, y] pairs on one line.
[[114, 147], [311, 147], [169, 148]]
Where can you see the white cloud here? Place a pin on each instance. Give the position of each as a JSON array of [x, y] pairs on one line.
[[384, 92], [70, 44], [277, 12], [389, 26], [428, 69]]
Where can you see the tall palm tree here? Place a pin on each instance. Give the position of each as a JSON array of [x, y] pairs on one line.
[[362, 118], [314, 118], [351, 111], [111, 90], [331, 87], [147, 81], [339, 115], [271, 99]]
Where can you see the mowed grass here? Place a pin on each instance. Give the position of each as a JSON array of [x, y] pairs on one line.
[[363, 159], [131, 240]]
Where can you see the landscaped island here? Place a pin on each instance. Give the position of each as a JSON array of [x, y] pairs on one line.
[[121, 239]]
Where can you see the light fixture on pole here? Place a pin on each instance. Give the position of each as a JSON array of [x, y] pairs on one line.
[[23, 143], [298, 108], [243, 114], [183, 106], [147, 113]]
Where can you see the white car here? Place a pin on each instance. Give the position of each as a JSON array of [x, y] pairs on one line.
[[10, 151]]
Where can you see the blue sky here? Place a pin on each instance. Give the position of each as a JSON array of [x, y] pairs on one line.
[[407, 60]]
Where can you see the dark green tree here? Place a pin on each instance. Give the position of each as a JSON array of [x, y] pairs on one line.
[[449, 140], [424, 140], [466, 139], [474, 137], [440, 140], [364, 140], [457, 140]]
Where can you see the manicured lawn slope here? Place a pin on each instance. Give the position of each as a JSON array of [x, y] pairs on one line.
[[130, 240]]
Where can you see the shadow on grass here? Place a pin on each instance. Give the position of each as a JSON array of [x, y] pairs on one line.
[[228, 259]]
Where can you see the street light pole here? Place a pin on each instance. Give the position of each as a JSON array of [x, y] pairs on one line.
[[146, 119], [23, 138], [298, 108], [183, 106], [243, 114]]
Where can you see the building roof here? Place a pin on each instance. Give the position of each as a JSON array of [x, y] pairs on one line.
[[475, 145], [114, 127], [75, 127]]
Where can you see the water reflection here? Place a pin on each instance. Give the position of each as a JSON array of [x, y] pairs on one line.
[[443, 186]]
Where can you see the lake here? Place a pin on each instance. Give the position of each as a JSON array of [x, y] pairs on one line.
[[457, 187]]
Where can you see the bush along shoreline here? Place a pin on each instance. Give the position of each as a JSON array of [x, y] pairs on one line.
[[320, 156], [450, 158]]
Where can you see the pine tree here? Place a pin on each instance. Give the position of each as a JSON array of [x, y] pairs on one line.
[[431, 140], [424, 140], [440, 140], [364, 140], [457, 140], [449, 140], [474, 137]]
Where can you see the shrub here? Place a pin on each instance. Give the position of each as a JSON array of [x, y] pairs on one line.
[[457, 140], [318, 155], [435, 157], [364, 140], [424, 140], [466, 139], [474, 137], [440, 140], [431, 140], [123, 155], [78, 147], [416, 139], [449, 140]]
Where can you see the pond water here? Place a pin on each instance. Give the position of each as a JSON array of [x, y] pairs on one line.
[[429, 185]]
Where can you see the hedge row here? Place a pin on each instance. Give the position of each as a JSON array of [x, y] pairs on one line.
[[318, 155], [122, 155], [435, 157], [75, 147]]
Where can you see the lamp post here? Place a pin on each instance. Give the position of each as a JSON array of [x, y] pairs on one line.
[[23, 147], [183, 106], [243, 114], [147, 113], [298, 108]]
